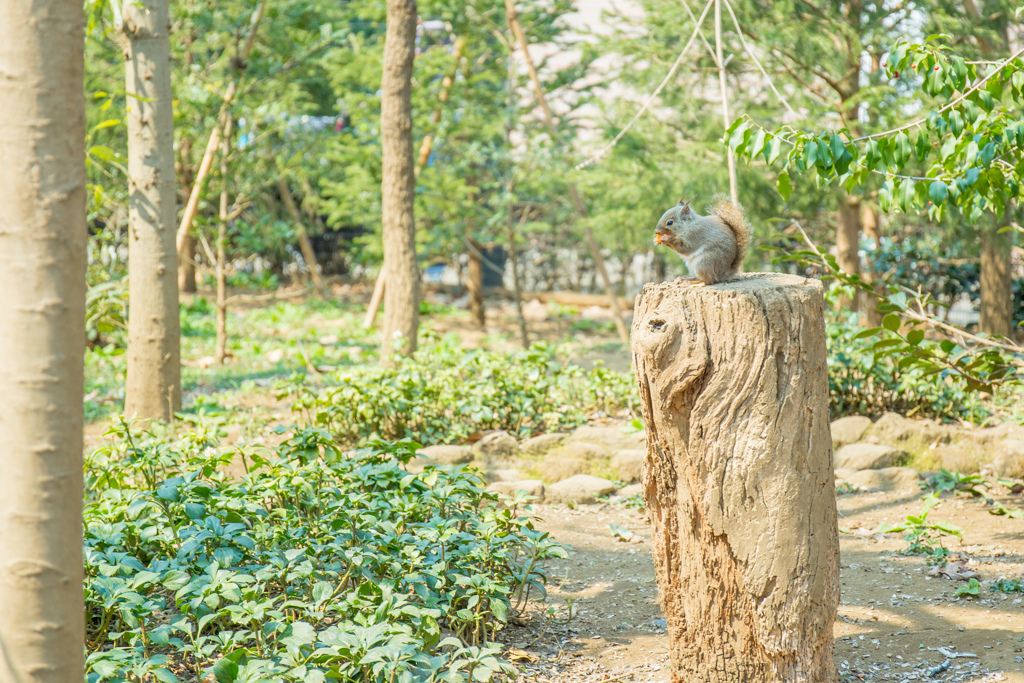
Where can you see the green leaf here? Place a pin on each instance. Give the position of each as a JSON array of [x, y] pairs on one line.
[[738, 136], [956, 123], [103, 152], [772, 150], [891, 322], [225, 671], [906, 195], [757, 143], [937, 192], [902, 152], [915, 336], [782, 183], [165, 676]]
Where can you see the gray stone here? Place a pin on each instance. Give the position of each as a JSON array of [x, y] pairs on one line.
[[958, 458], [612, 439], [869, 456], [531, 487], [885, 479], [579, 450], [557, 469], [539, 445], [628, 465], [581, 489], [498, 444], [847, 430], [503, 475], [1009, 460], [631, 490], [445, 455], [911, 435], [843, 473]]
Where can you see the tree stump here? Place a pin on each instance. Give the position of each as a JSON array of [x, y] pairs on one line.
[[738, 476]]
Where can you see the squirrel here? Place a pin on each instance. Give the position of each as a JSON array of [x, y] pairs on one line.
[[713, 246]]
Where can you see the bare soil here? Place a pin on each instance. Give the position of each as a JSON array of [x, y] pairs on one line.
[[896, 623]]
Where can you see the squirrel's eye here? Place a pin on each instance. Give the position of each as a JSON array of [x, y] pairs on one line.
[[669, 223]]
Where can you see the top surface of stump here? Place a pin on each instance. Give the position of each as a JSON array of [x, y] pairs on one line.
[[742, 283]]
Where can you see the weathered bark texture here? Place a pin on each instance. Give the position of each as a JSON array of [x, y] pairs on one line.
[[996, 280], [402, 293], [42, 314], [475, 283], [738, 477], [153, 385]]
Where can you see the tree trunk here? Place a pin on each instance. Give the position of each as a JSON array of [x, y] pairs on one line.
[[869, 305], [475, 283], [308, 255], [153, 386], [996, 279], [402, 293], [43, 247], [517, 294], [738, 477], [221, 349], [379, 285], [848, 241], [187, 256]]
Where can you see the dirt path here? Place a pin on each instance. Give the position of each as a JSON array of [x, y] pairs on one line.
[[892, 621]]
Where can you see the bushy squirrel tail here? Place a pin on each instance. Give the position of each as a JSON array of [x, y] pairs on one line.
[[734, 217]]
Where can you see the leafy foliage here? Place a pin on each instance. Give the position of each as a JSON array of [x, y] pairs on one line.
[[863, 383], [925, 536], [445, 393], [311, 564]]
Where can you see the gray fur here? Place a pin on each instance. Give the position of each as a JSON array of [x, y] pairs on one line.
[[712, 246]]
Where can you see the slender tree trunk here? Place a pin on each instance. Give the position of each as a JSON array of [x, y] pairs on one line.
[[402, 294], [221, 350], [996, 279], [153, 386], [512, 17], [517, 293], [308, 255], [187, 256], [733, 190], [869, 222], [379, 285], [475, 283], [43, 248], [848, 241]]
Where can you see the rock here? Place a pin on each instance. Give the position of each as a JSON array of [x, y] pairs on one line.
[[541, 444], [579, 450], [531, 487], [611, 439], [497, 444], [885, 479], [503, 475], [847, 430], [534, 310], [957, 458], [581, 489], [631, 490], [911, 435], [1009, 460], [596, 313], [628, 465], [557, 469], [275, 356], [868, 456], [844, 473], [445, 455]]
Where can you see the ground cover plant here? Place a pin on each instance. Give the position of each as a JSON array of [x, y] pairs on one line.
[[444, 393], [311, 564]]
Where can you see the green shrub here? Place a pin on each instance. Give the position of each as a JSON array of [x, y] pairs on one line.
[[859, 383], [445, 393], [314, 565]]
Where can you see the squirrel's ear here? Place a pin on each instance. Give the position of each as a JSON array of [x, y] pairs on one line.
[[683, 202]]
